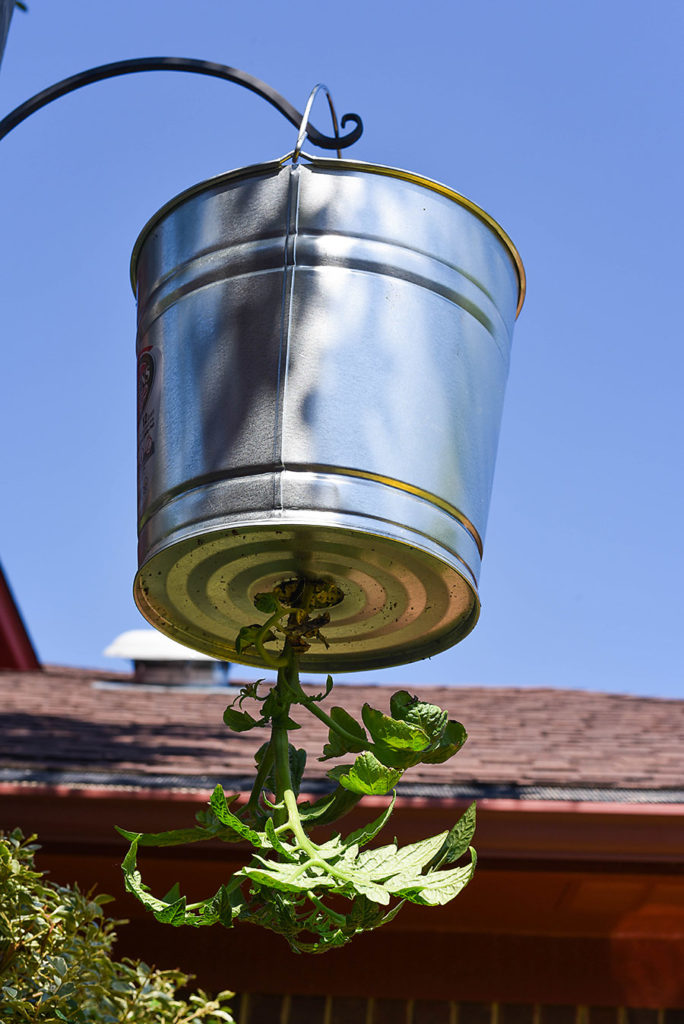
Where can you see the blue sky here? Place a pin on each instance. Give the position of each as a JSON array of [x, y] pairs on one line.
[[562, 121]]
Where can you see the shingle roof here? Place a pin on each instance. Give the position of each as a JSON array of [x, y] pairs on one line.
[[69, 726]]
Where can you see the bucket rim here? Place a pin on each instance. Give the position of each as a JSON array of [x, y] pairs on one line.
[[274, 166]]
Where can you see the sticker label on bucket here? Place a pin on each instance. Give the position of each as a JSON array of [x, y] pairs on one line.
[[148, 400], [146, 375]]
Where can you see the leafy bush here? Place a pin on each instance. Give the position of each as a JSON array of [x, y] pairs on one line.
[[55, 958]]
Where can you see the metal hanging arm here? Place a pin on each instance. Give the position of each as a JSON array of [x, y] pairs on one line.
[[200, 67]]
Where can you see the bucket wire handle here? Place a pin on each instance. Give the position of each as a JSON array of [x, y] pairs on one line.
[[305, 121]]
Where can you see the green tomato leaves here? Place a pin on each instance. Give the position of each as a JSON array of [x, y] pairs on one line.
[[367, 776], [247, 637], [328, 808], [451, 741], [346, 735], [240, 721], [288, 883], [266, 603], [287, 875], [428, 717], [173, 908], [414, 731], [457, 840], [445, 737], [364, 834], [221, 809], [392, 732], [208, 827]]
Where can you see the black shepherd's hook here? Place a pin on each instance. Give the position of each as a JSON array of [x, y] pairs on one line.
[[200, 67]]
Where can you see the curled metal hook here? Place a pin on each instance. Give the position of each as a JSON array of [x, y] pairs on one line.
[[201, 67], [305, 121]]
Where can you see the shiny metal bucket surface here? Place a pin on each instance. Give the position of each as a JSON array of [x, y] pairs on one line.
[[322, 355]]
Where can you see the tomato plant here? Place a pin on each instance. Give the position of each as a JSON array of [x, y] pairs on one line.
[[294, 885]]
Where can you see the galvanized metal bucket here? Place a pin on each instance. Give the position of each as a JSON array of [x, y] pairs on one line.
[[323, 349]]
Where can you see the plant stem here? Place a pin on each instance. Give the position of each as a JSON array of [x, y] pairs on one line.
[[279, 740], [273, 660], [298, 695], [288, 680], [332, 914], [313, 707], [262, 772], [297, 829]]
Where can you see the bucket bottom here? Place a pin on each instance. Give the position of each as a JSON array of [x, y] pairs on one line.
[[401, 603]]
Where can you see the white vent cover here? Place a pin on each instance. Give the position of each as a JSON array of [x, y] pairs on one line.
[[149, 645]]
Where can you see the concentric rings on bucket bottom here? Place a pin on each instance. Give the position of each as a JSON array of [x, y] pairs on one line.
[[200, 592]]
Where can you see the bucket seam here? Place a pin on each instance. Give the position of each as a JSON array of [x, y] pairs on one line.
[[289, 267]]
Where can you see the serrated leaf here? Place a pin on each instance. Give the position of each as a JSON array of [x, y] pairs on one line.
[[349, 724], [364, 914], [130, 862], [240, 721], [338, 745], [173, 914], [173, 894], [349, 853], [372, 891], [266, 603], [407, 861], [233, 902], [168, 912], [453, 738], [400, 702], [219, 806], [275, 842], [458, 839], [286, 877], [429, 717], [374, 862], [176, 837], [297, 762], [401, 759], [297, 765], [386, 918], [246, 637], [367, 775], [335, 747], [438, 887], [328, 689], [333, 847], [328, 808], [393, 732], [363, 835], [134, 883]]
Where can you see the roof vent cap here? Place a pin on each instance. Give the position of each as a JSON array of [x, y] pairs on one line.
[[158, 659]]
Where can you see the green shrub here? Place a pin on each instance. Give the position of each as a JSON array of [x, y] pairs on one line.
[[56, 964]]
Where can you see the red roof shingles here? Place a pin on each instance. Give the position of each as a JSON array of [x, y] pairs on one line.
[[58, 720]]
